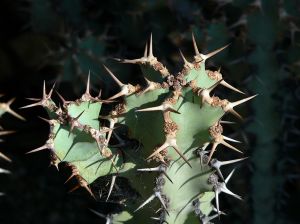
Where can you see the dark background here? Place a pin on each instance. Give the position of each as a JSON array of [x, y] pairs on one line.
[[61, 41]]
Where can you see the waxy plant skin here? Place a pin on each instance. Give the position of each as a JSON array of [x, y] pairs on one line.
[[165, 159]]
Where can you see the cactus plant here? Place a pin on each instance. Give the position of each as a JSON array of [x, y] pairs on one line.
[[5, 108], [173, 117]]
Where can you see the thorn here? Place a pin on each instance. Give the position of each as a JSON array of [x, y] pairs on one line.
[[232, 111], [221, 187], [227, 122], [230, 146], [6, 108], [224, 83], [73, 122], [32, 105], [120, 84], [209, 55], [146, 51], [124, 91], [151, 47], [149, 169], [229, 176], [4, 171], [62, 98], [74, 188], [161, 148], [99, 94], [195, 44], [211, 88], [213, 149], [217, 164], [6, 132], [87, 91], [156, 169], [186, 63], [44, 90], [48, 145], [51, 90], [42, 102], [230, 139], [163, 107], [146, 202], [50, 122], [236, 103], [10, 101], [217, 200], [108, 220], [167, 176], [5, 157], [158, 195], [71, 176], [113, 180]]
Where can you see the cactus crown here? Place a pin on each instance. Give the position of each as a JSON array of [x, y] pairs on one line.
[[173, 117]]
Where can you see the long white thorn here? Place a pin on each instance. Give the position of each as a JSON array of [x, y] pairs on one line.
[[161, 148], [236, 103], [4, 171], [146, 202], [231, 161], [230, 146], [124, 91], [211, 88], [227, 191], [195, 45], [163, 107], [44, 90], [217, 192], [224, 83], [114, 77], [230, 139], [151, 47], [113, 181], [154, 169], [227, 122], [43, 147], [87, 91], [146, 51], [186, 62], [209, 55], [158, 195], [4, 157], [229, 176]]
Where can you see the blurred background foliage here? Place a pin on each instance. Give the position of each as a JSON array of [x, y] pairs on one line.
[[63, 40]]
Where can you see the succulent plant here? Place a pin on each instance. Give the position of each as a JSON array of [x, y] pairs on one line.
[[174, 119], [5, 108]]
